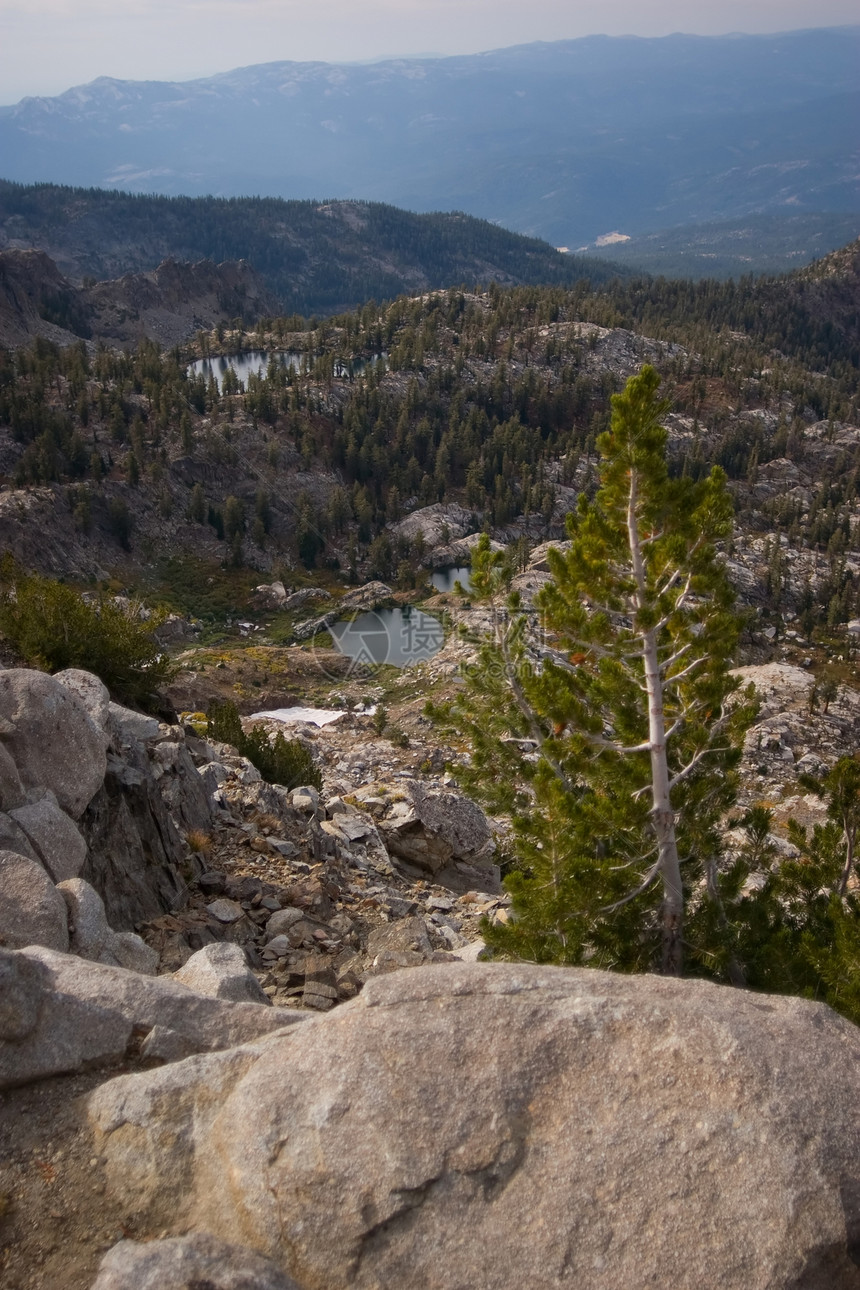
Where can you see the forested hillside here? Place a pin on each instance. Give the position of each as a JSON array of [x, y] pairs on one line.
[[489, 401], [316, 258]]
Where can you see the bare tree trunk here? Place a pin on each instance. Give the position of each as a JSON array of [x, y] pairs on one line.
[[849, 859], [662, 815]]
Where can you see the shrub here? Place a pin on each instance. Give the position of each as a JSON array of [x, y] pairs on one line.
[[224, 723], [380, 718], [53, 627], [279, 760]]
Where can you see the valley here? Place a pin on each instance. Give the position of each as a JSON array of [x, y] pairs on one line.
[[253, 916]]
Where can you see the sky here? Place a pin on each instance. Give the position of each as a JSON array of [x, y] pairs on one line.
[[47, 46]]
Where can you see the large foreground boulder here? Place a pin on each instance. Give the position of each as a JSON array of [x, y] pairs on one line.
[[496, 1125]]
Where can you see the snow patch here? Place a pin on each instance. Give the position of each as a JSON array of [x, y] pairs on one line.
[[292, 716]]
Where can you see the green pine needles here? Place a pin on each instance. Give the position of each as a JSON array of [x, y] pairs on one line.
[[279, 760], [53, 627], [606, 720]]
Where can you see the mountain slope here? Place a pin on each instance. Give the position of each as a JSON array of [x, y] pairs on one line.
[[732, 248], [314, 258], [166, 305], [564, 140]]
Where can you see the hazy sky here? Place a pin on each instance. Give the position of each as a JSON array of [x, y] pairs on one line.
[[46, 46]]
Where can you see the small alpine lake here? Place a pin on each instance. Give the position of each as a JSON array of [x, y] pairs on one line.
[[395, 636], [257, 362]]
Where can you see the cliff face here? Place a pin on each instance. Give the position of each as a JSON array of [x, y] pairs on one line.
[[175, 300], [167, 304], [34, 295]]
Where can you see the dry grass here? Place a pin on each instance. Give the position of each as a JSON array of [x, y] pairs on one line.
[[198, 841]]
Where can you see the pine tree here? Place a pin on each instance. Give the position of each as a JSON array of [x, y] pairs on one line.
[[627, 702]]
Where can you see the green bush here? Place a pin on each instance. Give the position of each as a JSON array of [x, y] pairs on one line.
[[279, 760], [223, 723], [53, 627]]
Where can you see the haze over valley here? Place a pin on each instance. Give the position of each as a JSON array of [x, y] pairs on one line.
[[567, 141]]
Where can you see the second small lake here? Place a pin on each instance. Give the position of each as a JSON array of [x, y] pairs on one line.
[[444, 579], [395, 636]]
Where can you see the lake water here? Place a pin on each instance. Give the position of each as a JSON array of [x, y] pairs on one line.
[[255, 362], [444, 579], [396, 636]]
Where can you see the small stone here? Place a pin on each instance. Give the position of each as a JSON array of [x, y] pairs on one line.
[[283, 848], [305, 798], [225, 911], [212, 883], [281, 921], [279, 947]]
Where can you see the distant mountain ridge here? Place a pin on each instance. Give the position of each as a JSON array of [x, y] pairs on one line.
[[566, 140]]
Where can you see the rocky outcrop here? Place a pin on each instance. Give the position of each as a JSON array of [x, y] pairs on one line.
[[431, 828], [95, 796], [167, 304], [32, 911], [347, 1156], [152, 793], [369, 596], [274, 595], [51, 738], [437, 525], [67, 1013]]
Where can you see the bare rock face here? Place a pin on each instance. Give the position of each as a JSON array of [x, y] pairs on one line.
[[53, 836], [437, 524], [181, 786], [201, 1262], [51, 738], [602, 1130], [32, 911], [135, 850]]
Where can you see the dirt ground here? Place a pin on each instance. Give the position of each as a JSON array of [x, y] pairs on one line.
[[56, 1217]]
